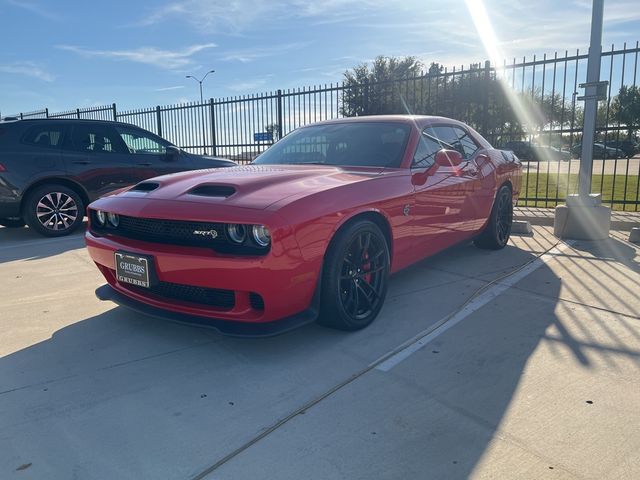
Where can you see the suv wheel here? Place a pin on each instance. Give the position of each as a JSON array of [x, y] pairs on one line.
[[54, 210]]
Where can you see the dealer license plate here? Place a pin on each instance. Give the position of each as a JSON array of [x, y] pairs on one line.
[[132, 268]]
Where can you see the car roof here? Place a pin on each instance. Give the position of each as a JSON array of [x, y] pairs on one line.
[[407, 119], [74, 120]]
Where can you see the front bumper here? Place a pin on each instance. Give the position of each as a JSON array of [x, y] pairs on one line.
[[285, 282], [233, 329]]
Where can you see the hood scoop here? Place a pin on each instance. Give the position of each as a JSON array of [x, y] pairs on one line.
[[223, 191], [145, 187]]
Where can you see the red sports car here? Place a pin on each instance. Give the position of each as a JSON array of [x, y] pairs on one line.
[[310, 230]]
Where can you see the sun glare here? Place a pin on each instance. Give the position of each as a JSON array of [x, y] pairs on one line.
[[527, 113]]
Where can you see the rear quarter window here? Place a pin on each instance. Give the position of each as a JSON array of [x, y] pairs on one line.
[[44, 136]]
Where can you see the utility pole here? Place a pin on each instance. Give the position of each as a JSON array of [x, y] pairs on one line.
[[584, 217], [592, 93], [204, 134]]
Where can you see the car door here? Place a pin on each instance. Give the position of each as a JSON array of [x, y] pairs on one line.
[[474, 211], [39, 152], [96, 157], [149, 152], [456, 184], [438, 195]]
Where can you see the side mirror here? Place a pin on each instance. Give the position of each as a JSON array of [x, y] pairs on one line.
[[172, 152], [448, 158]]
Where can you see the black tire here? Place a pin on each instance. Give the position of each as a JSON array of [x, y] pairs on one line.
[[355, 276], [12, 222], [498, 229], [54, 210]]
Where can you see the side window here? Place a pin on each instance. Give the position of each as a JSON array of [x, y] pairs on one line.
[[45, 136], [467, 143], [448, 137], [95, 139], [426, 151], [140, 143]]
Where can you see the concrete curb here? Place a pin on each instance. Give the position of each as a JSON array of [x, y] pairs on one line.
[[519, 227], [545, 217]]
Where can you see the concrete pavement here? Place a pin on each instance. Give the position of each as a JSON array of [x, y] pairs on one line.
[[539, 381]]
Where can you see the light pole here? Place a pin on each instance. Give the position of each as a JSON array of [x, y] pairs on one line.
[[584, 217], [204, 147]]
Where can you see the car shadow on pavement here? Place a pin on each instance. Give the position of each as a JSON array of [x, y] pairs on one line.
[[24, 243], [121, 395]]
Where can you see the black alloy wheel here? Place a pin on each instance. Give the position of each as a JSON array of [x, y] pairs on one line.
[[497, 232], [355, 277]]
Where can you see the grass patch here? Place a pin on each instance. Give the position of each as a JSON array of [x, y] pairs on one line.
[[552, 186]]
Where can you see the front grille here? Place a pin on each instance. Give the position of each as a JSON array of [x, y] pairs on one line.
[[177, 232], [211, 297], [173, 232]]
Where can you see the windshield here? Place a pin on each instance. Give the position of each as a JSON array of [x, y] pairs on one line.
[[363, 144]]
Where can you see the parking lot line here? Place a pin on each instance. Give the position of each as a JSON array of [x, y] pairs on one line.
[[483, 296]]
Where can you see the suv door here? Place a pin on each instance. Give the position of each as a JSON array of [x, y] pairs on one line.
[[149, 152], [96, 157]]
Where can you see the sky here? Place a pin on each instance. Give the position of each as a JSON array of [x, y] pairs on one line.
[[66, 54]]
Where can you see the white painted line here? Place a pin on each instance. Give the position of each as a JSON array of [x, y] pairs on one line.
[[478, 302]]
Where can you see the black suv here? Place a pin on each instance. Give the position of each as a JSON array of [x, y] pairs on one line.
[[51, 169]]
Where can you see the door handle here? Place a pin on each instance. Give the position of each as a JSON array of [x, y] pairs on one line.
[[81, 162], [146, 164]]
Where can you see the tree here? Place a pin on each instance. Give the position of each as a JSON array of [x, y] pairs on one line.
[[474, 95], [625, 108], [375, 90]]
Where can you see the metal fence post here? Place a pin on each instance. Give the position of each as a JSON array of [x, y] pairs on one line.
[[212, 112], [485, 110], [46, 112], [158, 121], [78, 112], [115, 112], [365, 101], [279, 111], [21, 117]]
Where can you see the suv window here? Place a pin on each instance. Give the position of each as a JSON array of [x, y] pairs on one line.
[[455, 138], [139, 142], [45, 136], [96, 139]]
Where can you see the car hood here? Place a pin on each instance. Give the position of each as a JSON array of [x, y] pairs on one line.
[[249, 186]]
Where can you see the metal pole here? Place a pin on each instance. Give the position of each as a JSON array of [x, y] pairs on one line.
[[204, 134], [591, 99], [212, 112]]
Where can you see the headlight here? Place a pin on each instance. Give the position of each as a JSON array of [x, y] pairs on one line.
[[261, 235], [101, 217], [114, 220], [236, 232]]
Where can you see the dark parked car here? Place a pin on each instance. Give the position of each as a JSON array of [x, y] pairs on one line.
[[51, 169], [628, 146], [536, 153], [600, 151]]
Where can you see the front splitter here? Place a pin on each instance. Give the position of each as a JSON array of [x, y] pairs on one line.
[[225, 327]]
